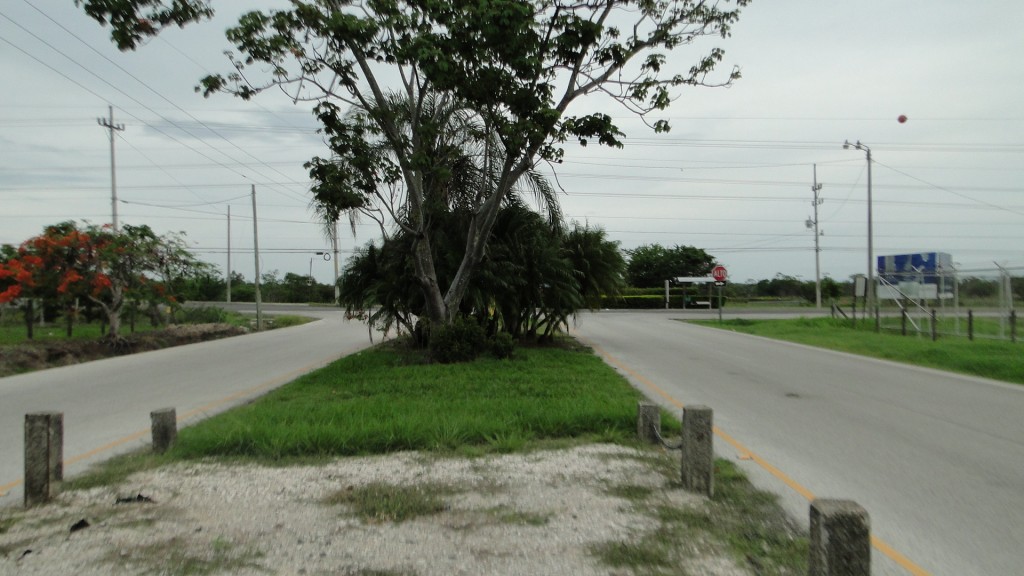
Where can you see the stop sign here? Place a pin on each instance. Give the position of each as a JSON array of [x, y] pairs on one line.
[[719, 273]]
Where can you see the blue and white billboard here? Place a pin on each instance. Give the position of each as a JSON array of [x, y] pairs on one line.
[[925, 275]]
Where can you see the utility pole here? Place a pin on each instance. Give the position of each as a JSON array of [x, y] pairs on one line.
[[817, 244], [256, 251], [111, 127], [228, 275]]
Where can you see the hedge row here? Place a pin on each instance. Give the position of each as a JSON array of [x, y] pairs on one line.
[[651, 302]]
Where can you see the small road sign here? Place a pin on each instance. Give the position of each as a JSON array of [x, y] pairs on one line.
[[719, 273]]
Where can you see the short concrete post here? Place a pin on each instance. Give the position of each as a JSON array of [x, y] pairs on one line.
[[840, 539], [698, 465], [164, 429], [44, 456], [648, 422], [935, 326]]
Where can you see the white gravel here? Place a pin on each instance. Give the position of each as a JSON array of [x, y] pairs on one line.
[[531, 514]]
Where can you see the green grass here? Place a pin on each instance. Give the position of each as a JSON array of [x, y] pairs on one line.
[[741, 520], [175, 557], [996, 359], [385, 399], [380, 502], [13, 333]]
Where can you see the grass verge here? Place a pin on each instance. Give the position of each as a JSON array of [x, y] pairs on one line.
[[747, 523], [999, 360]]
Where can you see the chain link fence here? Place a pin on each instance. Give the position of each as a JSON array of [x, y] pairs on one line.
[[978, 303]]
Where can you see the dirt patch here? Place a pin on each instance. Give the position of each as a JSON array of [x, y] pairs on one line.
[[52, 353], [550, 512]]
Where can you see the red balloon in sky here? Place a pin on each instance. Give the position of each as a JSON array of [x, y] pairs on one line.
[[902, 118]]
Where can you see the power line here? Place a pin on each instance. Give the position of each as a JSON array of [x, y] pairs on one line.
[[133, 99]]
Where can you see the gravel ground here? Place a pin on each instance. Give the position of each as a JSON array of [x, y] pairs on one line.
[[532, 514]]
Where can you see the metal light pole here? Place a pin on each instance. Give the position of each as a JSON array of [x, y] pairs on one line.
[[870, 296]]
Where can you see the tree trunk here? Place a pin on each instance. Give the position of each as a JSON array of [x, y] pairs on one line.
[[113, 310], [30, 318], [70, 317], [423, 264]]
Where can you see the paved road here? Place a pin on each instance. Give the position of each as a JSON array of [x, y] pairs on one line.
[[936, 459], [108, 401]]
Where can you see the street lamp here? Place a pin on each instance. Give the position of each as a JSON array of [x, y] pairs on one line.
[[870, 296]]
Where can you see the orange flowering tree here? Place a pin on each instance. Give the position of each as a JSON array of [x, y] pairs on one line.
[[47, 268], [66, 264], [135, 265]]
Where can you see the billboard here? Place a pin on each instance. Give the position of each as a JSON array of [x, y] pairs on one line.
[[928, 263], [921, 276]]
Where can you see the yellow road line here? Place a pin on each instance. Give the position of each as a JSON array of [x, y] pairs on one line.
[[745, 453], [205, 408]]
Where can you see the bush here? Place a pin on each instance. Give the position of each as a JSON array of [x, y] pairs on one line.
[[503, 345], [201, 315], [461, 341], [651, 302]]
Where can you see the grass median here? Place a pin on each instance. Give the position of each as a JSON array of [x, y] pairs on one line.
[[387, 399]]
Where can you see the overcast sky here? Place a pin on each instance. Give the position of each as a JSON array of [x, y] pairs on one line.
[[733, 177]]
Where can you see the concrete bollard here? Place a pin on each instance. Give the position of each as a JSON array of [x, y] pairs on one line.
[[164, 429], [648, 422], [840, 539], [698, 465], [44, 456]]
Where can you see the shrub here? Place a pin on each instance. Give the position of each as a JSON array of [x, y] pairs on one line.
[[201, 315], [503, 345], [461, 341], [421, 333]]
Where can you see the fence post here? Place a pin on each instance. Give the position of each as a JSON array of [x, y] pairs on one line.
[[903, 321], [1013, 326], [698, 462], [935, 328], [164, 429], [970, 324], [840, 539], [648, 422], [44, 456]]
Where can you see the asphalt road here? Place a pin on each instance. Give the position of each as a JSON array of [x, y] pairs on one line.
[[936, 459], [106, 403]]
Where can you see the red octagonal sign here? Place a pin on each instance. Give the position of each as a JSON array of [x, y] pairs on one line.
[[719, 273]]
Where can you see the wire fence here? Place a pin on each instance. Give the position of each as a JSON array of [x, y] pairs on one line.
[[974, 304]]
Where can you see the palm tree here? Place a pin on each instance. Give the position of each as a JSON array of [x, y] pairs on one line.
[[440, 159], [444, 163]]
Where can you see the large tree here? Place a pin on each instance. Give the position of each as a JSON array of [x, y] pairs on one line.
[[651, 264], [93, 262], [513, 66]]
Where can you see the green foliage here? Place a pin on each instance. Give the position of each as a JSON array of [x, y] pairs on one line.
[[201, 315], [460, 341], [485, 94], [379, 502], [383, 400], [650, 265], [503, 345]]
